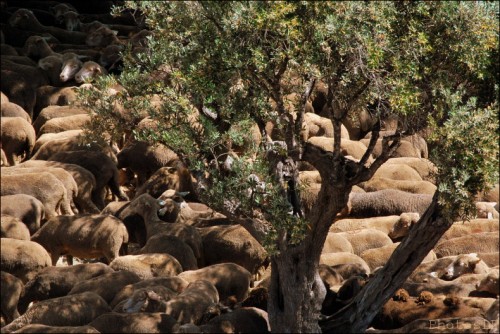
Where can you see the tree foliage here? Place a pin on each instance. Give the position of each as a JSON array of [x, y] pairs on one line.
[[214, 68]]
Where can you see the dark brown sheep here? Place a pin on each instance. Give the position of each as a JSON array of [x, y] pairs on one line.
[[106, 285], [178, 178], [135, 323], [25, 19], [175, 284], [162, 243], [234, 244], [101, 166], [144, 159], [53, 282], [230, 279], [11, 290]]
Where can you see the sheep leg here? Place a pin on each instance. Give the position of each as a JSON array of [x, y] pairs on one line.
[[10, 159], [98, 197], [114, 185], [69, 259]]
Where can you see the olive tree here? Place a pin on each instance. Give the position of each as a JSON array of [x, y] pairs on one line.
[[215, 69]]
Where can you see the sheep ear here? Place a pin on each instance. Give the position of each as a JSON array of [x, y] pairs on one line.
[[115, 32]]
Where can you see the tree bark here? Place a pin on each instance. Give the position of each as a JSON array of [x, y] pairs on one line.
[[357, 316], [295, 294]]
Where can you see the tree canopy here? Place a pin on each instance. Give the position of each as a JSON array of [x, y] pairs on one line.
[[214, 69]]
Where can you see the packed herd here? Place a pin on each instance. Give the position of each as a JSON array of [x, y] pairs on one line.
[[112, 239]]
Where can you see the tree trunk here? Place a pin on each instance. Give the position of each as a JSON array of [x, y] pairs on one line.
[[295, 294], [358, 315]]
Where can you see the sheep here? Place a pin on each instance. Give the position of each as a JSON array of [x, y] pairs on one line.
[[60, 124], [144, 159], [148, 265], [350, 270], [11, 109], [405, 149], [316, 125], [348, 147], [463, 228], [163, 243], [55, 111], [54, 136], [11, 290], [12, 227], [17, 137], [132, 220], [462, 287], [415, 187], [329, 275], [88, 71], [230, 279], [233, 244], [52, 282], [84, 236], [241, 320], [334, 259], [25, 19], [61, 174], [394, 226], [377, 257], [147, 207], [335, 243], [37, 328], [37, 47], [84, 179], [75, 310], [178, 178], [364, 239], [52, 65], [489, 283], [106, 285], [101, 166], [60, 8], [486, 210], [386, 202], [491, 259], [174, 284], [395, 314], [43, 186], [477, 242], [54, 97], [137, 302], [102, 36], [424, 167], [451, 267], [70, 66], [19, 89], [23, 258], [190, 304], [26, 208], [135, 323], [397, 172], [72, 143]]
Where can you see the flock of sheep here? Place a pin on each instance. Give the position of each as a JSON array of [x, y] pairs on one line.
[[150, 257]]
